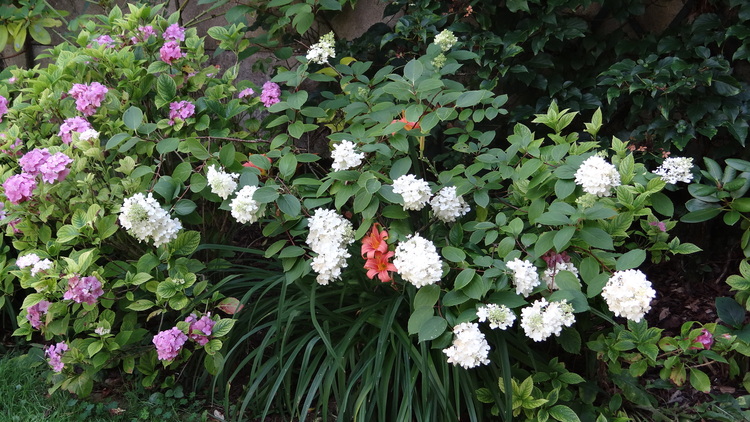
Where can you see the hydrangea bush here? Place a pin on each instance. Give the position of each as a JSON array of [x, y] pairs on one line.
[[108, 153]]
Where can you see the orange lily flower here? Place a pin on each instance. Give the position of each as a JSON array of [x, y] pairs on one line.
[[374, 242], [380, 267]]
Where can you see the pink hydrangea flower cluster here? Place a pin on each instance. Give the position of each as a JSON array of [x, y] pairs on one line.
[[181, 110], [169, 343], [35, 312], [52, 167], [706, 339], [83, 289], [19, 187], [54, 355], [3, 107], [88, 97], [174, 32], [246, 93], [201, 328], [144, 32], [73, 124], [105, 40], [170, 51], [271, 93]]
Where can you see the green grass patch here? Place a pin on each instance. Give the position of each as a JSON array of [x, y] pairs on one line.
[[24, 398]]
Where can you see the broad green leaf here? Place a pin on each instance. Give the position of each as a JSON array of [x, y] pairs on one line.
[[432, 328], [453, 254], [133, 117], [631, 259]]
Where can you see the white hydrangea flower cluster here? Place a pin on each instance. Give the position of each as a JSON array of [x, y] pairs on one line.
[[447, 205], [345, 156], [416, 192], [597, 177], [549, 274], [221, 182], [542, 318], [417, 261], [322, 50], [676, 169], [499, 316], [470, 349], [41, 266], [33, 260], [89, 135], [525, 276], [244, 208], [329, 236], [628, 293], [445, 40], [145, 219]]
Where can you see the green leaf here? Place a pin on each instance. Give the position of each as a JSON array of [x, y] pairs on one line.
[[631, 259], [597, 238], [67, 233], [420, 315], [563, 413], [166, 88], [400, 168], [289, 205], [133, 117], [427, 296], [464, 278], [413, 70], [700, 215], [562, 237], [730, 311], [186, 243], [453, 254], [116, 140], [570, 340], [223, 327], [470, 98], [265, 195], [166, 289], [291, 251], [141, 305], [699, 380], [662, 204], [288, 165], [432, 328], [184, 207]]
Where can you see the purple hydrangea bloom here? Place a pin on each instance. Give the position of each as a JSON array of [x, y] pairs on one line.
[[35, 312], [169, 343], [201, 328], [74, 124], [181, 110], [19, 187], [105, 40], [83, 289], [144, 32], [170, 51], [54, 355], [246, 93], [271, 93], [54, 169], [88, 97], [706, 339], [174, 32], [32, 161], [3, 107]]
